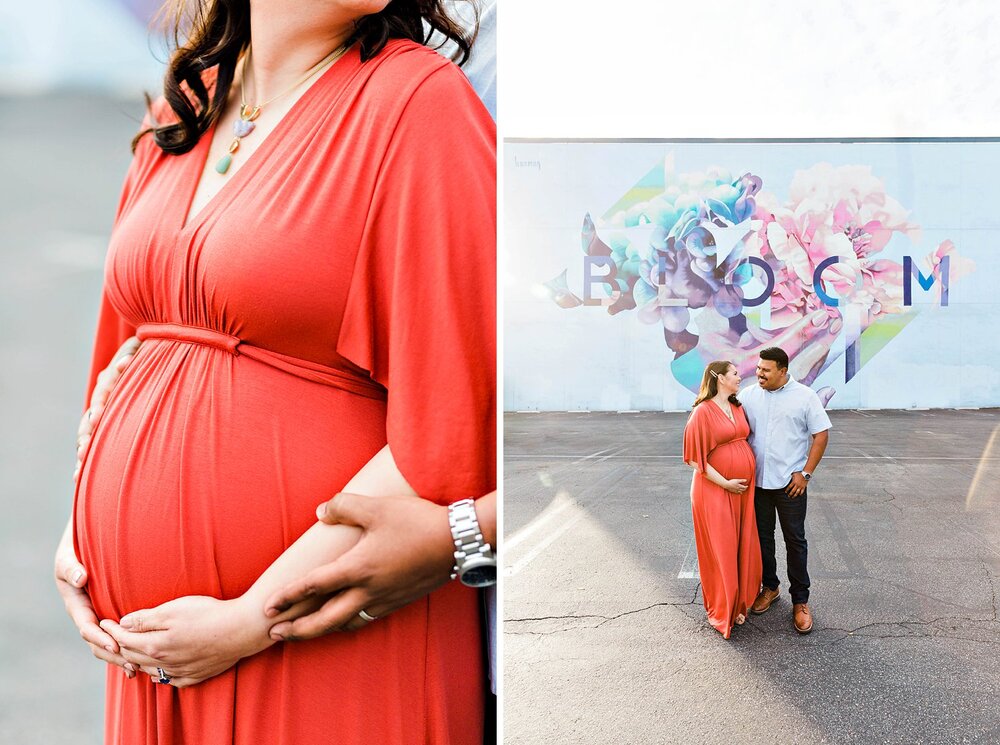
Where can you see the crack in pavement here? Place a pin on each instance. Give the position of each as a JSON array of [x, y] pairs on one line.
[[936, 599], [993, 589], [604, 619], [845, 633], [890, 500], [853, 633]]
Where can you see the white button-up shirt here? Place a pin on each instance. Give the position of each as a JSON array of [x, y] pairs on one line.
[[781, 425]]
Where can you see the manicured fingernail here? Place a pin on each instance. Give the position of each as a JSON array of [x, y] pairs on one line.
[[130, 667], [77, 576], [270, 612], [321, 511], [109, 648], [126, 623]]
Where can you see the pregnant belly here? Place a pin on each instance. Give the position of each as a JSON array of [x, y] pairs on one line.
[[734, 460], [204, 467]]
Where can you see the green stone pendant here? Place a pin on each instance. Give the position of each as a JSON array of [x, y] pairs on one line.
[[223, 165]]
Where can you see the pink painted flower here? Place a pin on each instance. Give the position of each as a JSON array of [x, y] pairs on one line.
[[834, 212]]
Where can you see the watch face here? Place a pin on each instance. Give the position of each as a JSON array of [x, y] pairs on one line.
[[480, 576]]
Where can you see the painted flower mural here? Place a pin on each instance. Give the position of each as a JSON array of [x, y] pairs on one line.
[[727, 269]]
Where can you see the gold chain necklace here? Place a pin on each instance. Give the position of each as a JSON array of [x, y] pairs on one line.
[[727, 410], [248, 114]]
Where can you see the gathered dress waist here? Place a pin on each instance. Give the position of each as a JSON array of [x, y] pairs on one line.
[[305, 369]]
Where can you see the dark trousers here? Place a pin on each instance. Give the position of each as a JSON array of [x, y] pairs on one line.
[[792, 516], [490, 723]]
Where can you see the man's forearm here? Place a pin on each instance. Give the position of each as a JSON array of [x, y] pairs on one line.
[[322, 543], [816, 451]]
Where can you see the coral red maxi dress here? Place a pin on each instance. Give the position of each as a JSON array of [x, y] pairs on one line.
[[337, 294], [725, 529]]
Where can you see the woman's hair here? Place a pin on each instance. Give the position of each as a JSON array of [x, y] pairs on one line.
[[710, 382], [215, 33]]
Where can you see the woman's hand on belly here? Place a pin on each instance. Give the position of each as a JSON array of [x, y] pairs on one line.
[[733, 486], [191, 638], [71, 581]]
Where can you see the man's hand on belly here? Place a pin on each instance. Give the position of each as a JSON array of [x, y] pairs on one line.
[[404, 553], [106, 381]]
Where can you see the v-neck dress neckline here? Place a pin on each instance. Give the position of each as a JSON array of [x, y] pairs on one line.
[[731, 416], [337, 72]]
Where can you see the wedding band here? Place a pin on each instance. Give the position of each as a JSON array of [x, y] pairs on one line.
[[164, 678], [365, 616]]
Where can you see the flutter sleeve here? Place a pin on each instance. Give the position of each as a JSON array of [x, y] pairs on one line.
[[421, 306], [112, 329], [699, 440]]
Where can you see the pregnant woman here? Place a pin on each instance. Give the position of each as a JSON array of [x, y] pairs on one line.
[[305, 247], [725, 530]]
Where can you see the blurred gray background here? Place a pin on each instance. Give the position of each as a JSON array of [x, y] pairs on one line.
[[71, 83], [63, 157], [59, 191]]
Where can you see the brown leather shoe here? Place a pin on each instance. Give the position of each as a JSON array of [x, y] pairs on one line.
[[802, 618], [764, 600]]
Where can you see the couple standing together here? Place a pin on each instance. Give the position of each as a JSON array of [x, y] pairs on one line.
[[754, 452]]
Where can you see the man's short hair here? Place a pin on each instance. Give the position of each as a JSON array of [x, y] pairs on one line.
[[775, 354]]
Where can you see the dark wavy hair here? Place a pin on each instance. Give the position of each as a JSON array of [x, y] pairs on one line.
[[214, 34]]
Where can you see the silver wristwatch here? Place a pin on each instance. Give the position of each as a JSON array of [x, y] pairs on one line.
[[806, 475], [475, 564]]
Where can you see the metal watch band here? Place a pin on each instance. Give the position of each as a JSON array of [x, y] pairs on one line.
[[466, 536]]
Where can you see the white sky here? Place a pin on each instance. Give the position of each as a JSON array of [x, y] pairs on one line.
[[721, 68]]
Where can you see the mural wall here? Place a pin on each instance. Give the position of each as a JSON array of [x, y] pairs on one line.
[[629, 266]]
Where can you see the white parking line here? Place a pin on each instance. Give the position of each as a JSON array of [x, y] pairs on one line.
[[689, 570], [537, 550], [562, 503], [614, 454], [555, 507]]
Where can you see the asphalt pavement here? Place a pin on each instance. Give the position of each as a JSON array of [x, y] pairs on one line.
[[605, 637]]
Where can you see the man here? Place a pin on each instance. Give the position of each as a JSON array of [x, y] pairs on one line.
[[789, 433]]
